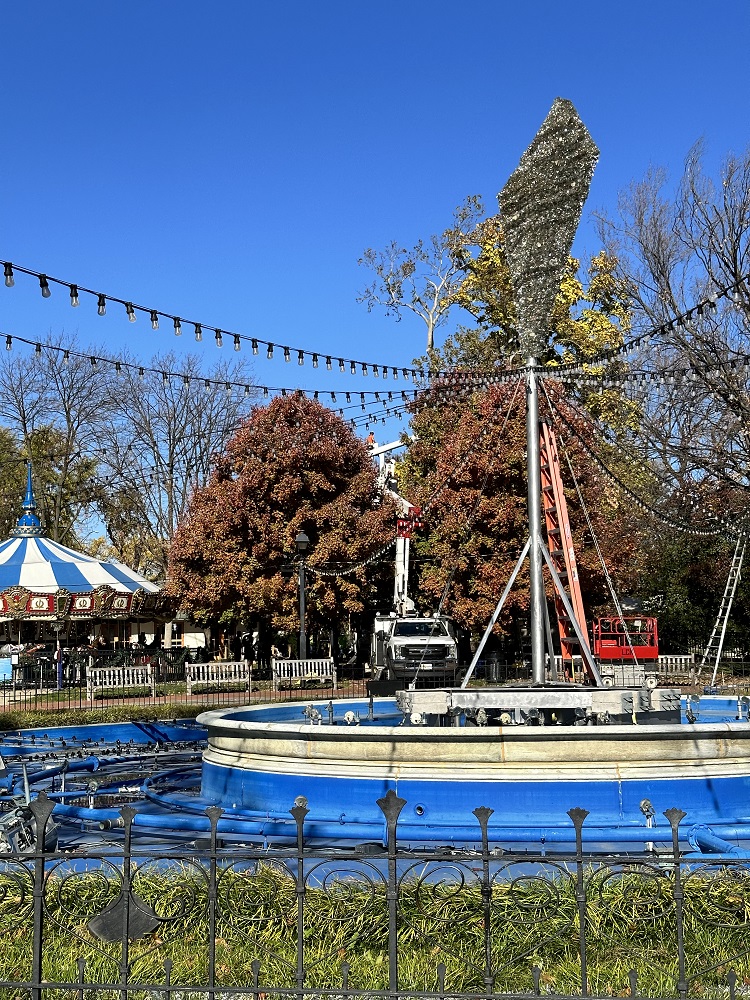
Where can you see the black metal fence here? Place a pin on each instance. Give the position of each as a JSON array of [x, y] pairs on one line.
[[37, 682], [378, 920]]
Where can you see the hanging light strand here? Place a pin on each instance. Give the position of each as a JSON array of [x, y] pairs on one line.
[[378, 370]]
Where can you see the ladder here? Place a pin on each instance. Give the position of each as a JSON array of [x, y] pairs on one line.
[[716, 642], [560, 543]]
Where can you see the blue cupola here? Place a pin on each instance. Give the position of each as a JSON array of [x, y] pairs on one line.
[[28, 523]]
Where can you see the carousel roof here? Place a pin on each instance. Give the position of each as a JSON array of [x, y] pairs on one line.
[[42, 566]]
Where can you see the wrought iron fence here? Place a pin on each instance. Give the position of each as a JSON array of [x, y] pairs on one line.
[[37, 682], [382, 920]]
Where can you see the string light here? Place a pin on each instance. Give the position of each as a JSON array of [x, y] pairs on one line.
[[315, 360], [9, 279], [38, 349], [198, 333], [737, 289], [101, 306], [237, 342], [8, 343], [74, 300], [44, 285], [130, 311], [255, 346], [300, 357], [287, 355], [177, 327], [219, 339], [269, 351], [154, 319]]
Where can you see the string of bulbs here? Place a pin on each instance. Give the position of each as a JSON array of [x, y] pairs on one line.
[[257, 344], [132, 309], [493, 424], [726, 526], [707, 305], [245, 388]]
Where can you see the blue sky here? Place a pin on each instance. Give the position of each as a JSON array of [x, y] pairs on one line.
[[230, 162]]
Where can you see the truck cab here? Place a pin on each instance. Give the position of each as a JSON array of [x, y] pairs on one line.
[[411, 646]]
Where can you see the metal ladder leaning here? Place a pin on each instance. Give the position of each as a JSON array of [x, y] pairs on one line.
[[716, 642]]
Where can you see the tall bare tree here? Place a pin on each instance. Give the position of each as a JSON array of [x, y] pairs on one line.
[[677, 248], [166, 425], [55, 404], [426, 279]]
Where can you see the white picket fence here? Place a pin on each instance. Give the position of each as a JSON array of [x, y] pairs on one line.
[[291, 673]]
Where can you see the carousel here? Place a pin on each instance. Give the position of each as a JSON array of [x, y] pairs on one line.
[[55, 601]]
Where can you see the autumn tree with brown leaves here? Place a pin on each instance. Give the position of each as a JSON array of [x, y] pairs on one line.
[[468, 469], [293, 466]]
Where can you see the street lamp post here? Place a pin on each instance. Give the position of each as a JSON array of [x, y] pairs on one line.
[[302, 544]]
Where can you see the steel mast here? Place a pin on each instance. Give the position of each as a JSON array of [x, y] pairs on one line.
[[540, 207], [537, 596]]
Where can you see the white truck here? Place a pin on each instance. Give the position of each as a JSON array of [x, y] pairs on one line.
[[410, 646]]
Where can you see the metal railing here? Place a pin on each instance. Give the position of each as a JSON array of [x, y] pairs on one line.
[[37, 683], [380, 920]]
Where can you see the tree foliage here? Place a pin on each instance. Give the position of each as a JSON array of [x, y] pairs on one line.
[[426, 279], [292, 466], [468, 467], [676, 247], [157, 445], [123, 451]]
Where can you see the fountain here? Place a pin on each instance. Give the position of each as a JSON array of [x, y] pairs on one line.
[[528, 753]]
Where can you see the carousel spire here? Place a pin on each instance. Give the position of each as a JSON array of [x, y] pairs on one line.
[[28, 523]]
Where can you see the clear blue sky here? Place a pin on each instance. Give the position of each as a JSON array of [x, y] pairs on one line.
[[231, 161]]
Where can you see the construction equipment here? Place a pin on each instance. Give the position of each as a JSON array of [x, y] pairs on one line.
[[560, 544]]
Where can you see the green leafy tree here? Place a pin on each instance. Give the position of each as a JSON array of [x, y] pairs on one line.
[[293, 466]]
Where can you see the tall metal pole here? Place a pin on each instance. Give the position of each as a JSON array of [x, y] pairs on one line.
[[534, 506], [302, 651]]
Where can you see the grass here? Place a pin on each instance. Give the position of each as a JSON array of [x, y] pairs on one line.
[[39, 718], [630, 925]]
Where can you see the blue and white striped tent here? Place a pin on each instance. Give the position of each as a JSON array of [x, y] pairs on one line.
[[43, 567], [41, 579]]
